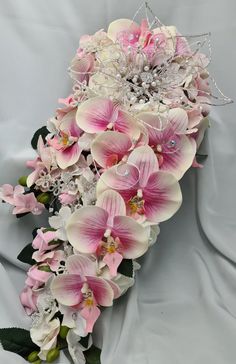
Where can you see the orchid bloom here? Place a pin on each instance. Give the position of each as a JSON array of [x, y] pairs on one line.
[[174, 150], [130, 35], [27, 203], [151, 195], [106, 231], [98, 114], [80, 288], [82, 66], [66, 143]]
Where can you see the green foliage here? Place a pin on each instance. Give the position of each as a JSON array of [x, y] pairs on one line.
[[26, 253], [126, 267], [43, 132], [17, 341], [92, 355]]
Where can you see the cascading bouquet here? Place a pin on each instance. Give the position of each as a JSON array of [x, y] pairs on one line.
[[107, 170]]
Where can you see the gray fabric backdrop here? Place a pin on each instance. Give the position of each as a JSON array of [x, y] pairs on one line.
[[182, 309]]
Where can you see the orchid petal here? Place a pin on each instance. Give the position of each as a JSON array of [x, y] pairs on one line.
[[90, 314], [122, 25], [94, 115], [133, 236], [110, 147], [66, 289], [113, 261], [81, 265], [102, 291], [162, 196], [86, 227], [126, 123], [69, 156], [145, 160], [180, 160], [112, 202], [178, 119], [123, 178]]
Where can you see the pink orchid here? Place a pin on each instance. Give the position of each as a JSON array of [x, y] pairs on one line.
[[174, 150], [67, 199], [151, 195], [28, 299], [105, 230], [99, 114], [42, 240], [27, 203], [67, 149], [80, 288], [36, 277], [82, 67], [110, 148], [130, 34], [8, 193]]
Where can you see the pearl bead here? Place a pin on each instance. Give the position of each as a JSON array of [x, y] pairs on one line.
[[146, 68], [153, 84], [118, 76], [141, 101]]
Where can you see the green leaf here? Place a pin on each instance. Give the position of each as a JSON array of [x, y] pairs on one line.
[[18, 341], [26, 253], [43, 132], [92, 355], [126, 267], [44, 268]]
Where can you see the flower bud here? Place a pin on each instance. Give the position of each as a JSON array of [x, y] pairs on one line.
[[63, 331], [32, 357], [52, 355], [44, 198], [39, 361], [23, 181]]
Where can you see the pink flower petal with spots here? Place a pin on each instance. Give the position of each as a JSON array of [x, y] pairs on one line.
[[85, 228], [95, 114], [162, 196], [110, 147], [133, 236], [66, 289], [126, 123]]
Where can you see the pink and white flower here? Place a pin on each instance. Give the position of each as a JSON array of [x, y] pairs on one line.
[[66, 143], [28, 298], [151, 195], [175, 151], [98, 114], [80, 288], [106, 231]]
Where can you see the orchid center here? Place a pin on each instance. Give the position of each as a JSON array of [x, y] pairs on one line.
[[87, 295], [110, 245], [136, 203], [66, 140]]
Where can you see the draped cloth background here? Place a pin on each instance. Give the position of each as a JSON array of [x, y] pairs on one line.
[[182, 309]]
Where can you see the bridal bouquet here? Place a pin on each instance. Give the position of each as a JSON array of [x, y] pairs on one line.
[[106, 172]]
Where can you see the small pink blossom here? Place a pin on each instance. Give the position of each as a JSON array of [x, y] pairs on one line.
[[28, 299], [27, 203], [42, 240], [36, 278]]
